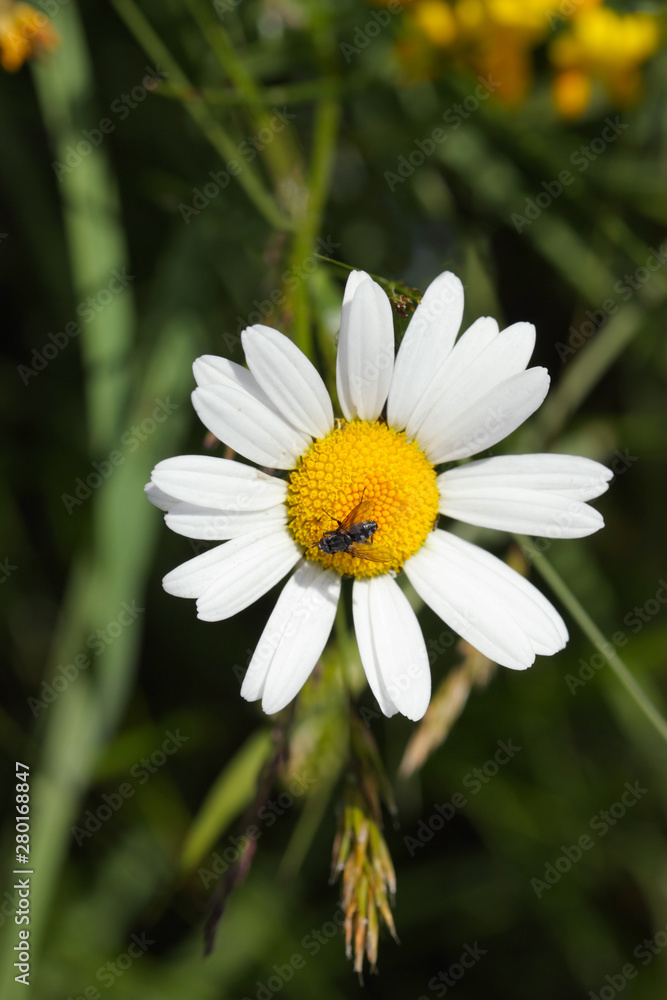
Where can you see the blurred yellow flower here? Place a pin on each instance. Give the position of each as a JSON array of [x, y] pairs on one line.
[[436, 20], [496, 38], [488, 37], [571, 92], [601, 45], [527, 17], [24, 32]]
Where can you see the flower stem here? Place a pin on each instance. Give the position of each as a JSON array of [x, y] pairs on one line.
[[281, 155], [318, 180], [327, 117], [304, 92], [590, 629], [196, 107]]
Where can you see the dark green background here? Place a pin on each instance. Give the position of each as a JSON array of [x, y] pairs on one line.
[[193, 287]]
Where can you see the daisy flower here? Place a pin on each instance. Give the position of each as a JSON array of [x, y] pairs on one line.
[[438, 401]]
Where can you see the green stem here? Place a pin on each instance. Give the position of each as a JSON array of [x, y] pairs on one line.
[[327, 118], [281, 154], [304, 833], [305, 92], [340, 631], [196, 107], [337, 263], [590, 629]]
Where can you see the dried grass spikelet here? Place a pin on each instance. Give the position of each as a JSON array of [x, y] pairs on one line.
[[446, 706], [361, 855]]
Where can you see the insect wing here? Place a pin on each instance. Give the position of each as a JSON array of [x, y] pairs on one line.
[[359, 513], [371, 552]]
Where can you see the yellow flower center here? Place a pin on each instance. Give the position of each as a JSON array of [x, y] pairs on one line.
[[370, 463]]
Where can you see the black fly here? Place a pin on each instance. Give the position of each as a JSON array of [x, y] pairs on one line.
[[354, 535]]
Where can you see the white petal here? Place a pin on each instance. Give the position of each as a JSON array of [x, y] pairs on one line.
[[427, 342], [399, 647], [219, 483], [354, 279], [469, 345], [158, 497], [290, 381], [294, 637], [535, 494], [195, 576], [495, 609], [569, 475], [365, 358], [210, 369], [218, 525], [363, 629], [253, 564], [488, 420], [527, 511], [506, 355], [252, 428], [240, 571]]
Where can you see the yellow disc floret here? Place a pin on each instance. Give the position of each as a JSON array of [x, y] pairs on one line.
[[367, 462]]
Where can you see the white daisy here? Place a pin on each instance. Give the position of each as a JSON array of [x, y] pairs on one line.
[[446, 400]]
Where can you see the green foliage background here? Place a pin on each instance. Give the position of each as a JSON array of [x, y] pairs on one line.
[[195, 284]]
